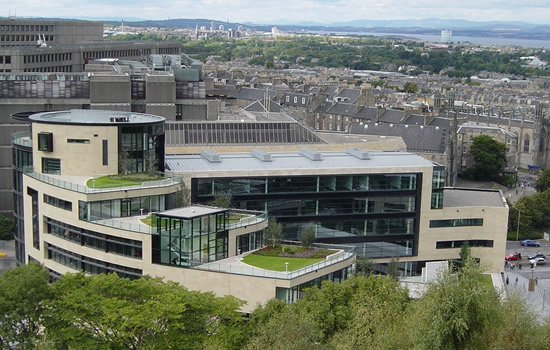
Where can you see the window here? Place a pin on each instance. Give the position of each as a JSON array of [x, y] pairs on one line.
[[45, 141], [105, 152], [56, 202], [456, 222], [288, 99], [303, 100], [458, 244], [51, 166], [78, 141], [526, 145], [295, 99]]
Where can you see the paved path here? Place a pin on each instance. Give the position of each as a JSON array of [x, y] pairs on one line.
[[8, 261], [538, 300]]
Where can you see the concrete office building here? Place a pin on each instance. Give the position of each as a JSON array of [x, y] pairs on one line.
[[28, 45], [68, 224], [386, 204]]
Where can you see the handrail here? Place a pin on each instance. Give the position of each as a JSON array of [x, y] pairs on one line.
[[258, 272], [85, 189]]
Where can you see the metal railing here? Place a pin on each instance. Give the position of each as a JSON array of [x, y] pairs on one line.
[[253, 217], [258, 272], [88, 190], [22, 138], [126, 226]]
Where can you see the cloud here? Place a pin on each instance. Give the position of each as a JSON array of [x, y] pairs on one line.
[[323, 11]]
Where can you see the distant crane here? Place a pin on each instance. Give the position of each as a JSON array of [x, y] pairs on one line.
[[41, 42]]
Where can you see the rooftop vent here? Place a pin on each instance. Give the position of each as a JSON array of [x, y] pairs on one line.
[[211, 156], [310, 154], [357, 153], [261, 155]]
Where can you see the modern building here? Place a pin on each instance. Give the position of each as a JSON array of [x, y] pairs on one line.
[[29, 45], [386, 204], [446, 36], [69, 222]]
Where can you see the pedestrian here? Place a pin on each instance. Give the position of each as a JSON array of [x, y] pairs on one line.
[[536, 280], [516, 281], [505, 263], [516, 191], [507, 280], [519, 256]]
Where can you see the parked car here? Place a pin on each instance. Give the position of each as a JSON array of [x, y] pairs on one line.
[[538, 261], [512, 257], [530, 243], [536, 255]]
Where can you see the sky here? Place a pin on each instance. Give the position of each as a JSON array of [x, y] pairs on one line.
[[286, 11]]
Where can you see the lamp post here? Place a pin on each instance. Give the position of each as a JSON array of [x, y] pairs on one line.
[[517, 230], [286, 267]]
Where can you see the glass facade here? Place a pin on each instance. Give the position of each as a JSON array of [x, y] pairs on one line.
[[57, 202], [90, 265], [22, 158], [107, 243], [117, 208], [459, 243], [141, 148], [456, 222], [188, 242], [344, 208], [438, 183], [250, 241], [291, 295]]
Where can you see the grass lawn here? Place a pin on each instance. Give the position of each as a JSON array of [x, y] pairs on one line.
[[277, 263], [111, 181], [487, 280], [234, 218]]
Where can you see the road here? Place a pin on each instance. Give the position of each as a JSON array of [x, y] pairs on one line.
[[539, 300]]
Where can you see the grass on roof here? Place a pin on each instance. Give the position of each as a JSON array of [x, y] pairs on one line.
[[277, 263], [120, 180]]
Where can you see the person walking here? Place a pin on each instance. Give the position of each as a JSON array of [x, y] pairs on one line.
[[507, 280], [516, 281]]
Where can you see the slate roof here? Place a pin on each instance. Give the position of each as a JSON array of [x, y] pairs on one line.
[[391, 116], [346, 109], [254, 94], [367, 113], [417, 138], [414, 119], [257, 106], [351, 94]]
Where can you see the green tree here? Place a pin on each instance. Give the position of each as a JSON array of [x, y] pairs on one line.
[[364, 266], [23, 293], [543, 181], [183, 196], [7, 226], [222, 200], [274, 232], [489, 159], [459, 311], [307, 237], [465, 252], [109, 312], [410, 87]]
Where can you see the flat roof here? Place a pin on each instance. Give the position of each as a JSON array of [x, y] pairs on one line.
[[98, 117], [468, 197], [294, 160], [191, 211]]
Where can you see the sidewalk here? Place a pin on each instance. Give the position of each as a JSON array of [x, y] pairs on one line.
[[538, 300], [8, 261]]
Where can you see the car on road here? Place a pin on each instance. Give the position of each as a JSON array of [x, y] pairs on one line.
[[536, 255], [512, 257], [530, 243], [538, 261]]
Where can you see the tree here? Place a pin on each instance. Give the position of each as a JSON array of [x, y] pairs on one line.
[[108, 312], [124, 162], [307, 237], [274, 232], [23, 292], [393, 268], [363, 266], [183, 196], [489, 159], [7, 226], [222, 200], [459, 311], [543, 181], [410, 87], [465, 252]]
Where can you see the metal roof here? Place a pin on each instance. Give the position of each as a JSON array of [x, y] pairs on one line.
[[290, 161], [100, 117]]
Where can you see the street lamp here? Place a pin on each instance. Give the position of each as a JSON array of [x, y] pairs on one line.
[[517, 230]]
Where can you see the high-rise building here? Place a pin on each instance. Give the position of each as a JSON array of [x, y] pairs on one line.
[[446, 36]]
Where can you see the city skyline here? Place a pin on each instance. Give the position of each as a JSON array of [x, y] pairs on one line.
[[283, 11]]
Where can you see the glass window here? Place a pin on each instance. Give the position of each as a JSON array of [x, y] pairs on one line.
[[45, 141], [51, 166], [456, 222]]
